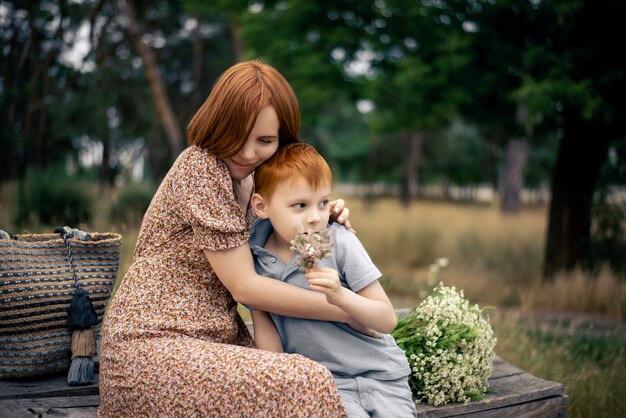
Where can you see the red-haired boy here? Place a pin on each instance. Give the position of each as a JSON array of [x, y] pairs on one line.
[[292, 188]]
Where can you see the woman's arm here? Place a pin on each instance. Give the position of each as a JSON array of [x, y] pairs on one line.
[[235, 269], [266, 336], [370, 306]]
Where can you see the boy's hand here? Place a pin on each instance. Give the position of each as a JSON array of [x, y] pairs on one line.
[[326, 280]]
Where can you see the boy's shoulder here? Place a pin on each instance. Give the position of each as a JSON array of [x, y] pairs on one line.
[[342, 235], [340, 231]]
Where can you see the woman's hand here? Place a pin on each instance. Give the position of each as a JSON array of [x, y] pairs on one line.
[[340, 213]]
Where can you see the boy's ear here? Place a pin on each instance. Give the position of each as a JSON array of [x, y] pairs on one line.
[[258, 205]]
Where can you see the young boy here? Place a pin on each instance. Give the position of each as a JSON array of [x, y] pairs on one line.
[[293, 188]]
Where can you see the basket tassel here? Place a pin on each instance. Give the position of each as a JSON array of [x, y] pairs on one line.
[[81, 318]]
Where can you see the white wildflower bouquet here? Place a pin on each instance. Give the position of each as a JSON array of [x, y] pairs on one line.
[[310, 246], [450, 347]]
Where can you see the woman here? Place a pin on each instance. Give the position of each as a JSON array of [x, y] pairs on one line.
[[173, 342]]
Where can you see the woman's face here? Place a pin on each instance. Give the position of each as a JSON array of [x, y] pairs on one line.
[[261, 144]]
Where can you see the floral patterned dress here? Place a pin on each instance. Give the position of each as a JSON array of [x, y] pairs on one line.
[[173, 343]]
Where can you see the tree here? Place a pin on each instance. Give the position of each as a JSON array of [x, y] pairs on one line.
[[501, 40], [34, 77], [405, 57], [160, 99], [575, 80]]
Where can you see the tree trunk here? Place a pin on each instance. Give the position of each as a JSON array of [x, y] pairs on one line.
[[157, 87], [235, 34], [513, 176], [157, 158], [373, 157], [582, 151], [410, 182], [107, 173], [41, 137], [9, 142], [196, 66], [493, 151]]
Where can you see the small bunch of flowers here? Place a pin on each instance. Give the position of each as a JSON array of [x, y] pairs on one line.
[[311, 246], [450, 347]]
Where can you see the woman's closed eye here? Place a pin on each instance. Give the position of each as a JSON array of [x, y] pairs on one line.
[[267, 140]]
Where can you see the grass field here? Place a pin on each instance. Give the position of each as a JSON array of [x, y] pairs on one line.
[[496, 260]]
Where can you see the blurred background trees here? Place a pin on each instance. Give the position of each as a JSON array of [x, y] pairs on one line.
[[419, 96]]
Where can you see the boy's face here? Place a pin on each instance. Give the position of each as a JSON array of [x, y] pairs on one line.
[[293, 203]]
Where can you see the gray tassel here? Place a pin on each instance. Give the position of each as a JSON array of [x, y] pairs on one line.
[[81, 317], [81, 372]]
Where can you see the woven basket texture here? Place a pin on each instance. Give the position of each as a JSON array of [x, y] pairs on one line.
[[36, 287]]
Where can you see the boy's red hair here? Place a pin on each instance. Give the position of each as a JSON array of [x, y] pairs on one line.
[[225, 119], [290, 163]]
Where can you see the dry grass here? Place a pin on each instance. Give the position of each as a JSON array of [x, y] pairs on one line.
[[495, 258]]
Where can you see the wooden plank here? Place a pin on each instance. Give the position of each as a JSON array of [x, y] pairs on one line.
[[555, 407], [73, 412], [73, 406], [501, 369], [44, 387], [508, 390], [515, 393]]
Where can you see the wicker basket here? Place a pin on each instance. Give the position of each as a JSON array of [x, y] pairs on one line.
[[36, 286]]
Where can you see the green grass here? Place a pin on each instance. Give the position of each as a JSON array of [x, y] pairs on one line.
[[591, 367]]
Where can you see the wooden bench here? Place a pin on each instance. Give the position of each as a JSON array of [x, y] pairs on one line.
[[515, 394]]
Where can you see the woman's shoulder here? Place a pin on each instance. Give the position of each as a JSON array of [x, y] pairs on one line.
[[198, 160], [194, 152]]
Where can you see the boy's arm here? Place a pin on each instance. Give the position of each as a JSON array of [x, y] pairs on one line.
[[266, 335], [370, 306]]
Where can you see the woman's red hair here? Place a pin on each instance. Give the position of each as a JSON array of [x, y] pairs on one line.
[[225, 119]]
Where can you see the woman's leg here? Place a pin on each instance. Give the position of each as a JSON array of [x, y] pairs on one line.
[[186, 376]]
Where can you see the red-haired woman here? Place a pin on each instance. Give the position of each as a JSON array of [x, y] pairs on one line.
[[173, 343]]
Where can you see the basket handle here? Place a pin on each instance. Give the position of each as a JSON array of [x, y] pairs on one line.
[[6, 235], [66, 233]]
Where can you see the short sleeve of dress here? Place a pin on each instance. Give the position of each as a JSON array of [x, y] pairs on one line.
[[202, 190]]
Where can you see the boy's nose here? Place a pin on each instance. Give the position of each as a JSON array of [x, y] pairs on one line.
[[314, 217]]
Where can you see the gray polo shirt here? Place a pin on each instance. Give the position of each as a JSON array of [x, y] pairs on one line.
[[340, 348]]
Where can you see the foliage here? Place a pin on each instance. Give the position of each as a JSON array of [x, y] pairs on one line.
[[608, 231], [52, 198], [449, 344], [132, 202], [608, 238], [69, 76]]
